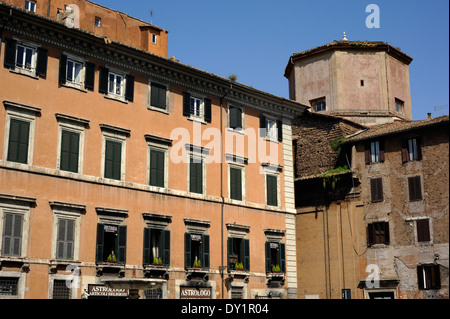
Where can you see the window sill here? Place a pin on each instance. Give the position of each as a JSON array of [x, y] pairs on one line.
[[158, 109], [25, 73], [78, 87], [195, 119], [378, 246], [271, 139], [115, 98], [236, 130]]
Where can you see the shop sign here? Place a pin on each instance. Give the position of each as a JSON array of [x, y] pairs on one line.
[[103, 291], [110, 229], [195, 293]]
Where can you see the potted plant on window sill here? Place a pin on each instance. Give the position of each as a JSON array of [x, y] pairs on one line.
[[111, 259], [157, 262], [239, 266], [197, 264], [276, 269]]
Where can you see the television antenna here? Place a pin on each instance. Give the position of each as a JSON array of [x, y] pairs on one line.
[[440, 108], [151, 16]]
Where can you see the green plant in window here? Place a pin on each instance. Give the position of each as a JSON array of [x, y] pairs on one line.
[[276, 268]]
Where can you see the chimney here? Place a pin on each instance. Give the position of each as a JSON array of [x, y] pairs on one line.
[[429, 116]]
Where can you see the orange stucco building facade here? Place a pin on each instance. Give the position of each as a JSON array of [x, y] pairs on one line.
[[94, 191]]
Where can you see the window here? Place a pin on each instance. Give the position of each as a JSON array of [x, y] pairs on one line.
[[30, 6], [18, 146], [275, 257], [376, 189], [319, 105], [197, 108], [235, 117], [270, 128], [154, 38], [12, 235], [272, 190], [60, 290], [157, 167], [374, 152], [156, 247], [75, 73], [238, 254], [399, 105], [153, 294], [116, 85], [236, 183], [158, 96], [25, 58], [113, 160], [423, 230], [196, 175], [111, 243], [362, 83], [429, 277], [65, 239], [415, 188], [70, 151], [411, 150], [378, 233], [196, 251], [98, 22], [9, 286]]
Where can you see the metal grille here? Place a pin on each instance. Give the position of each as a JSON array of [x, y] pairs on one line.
[[237, 293], [153, 294], [8, 286], [60, 290]]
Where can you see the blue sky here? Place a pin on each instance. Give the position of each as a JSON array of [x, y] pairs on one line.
[[254, 39]]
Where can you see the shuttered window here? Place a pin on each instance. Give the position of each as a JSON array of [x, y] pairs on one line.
[[376, 189], [235, 117], [275, 257], [111, 244], [65, 239], [429, 277], [19, 133], [158, 96], [238, 254], [411, 150], [156, 247], [157, 168], [113, 160], [196, 175], [235, 183], [374, 152], [70, 151], [12, 235], [272, 190], [196, 251], [415, 188], [378, 233], [423, 230]]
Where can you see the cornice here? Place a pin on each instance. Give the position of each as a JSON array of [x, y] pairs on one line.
[[106, 51]]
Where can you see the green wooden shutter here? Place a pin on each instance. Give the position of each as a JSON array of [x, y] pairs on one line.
[[282, 256], [263, 126], [186, 104], [235, 117], [208, 111], [205, 251], [129, 89], [113, 160], [187, 250], [246, 253], [229, 252], [18, 141], [280, 131], [65, 239], [157, 167], [147, 246], [89, 78], [10, 53], [103, 80], [268, 262], [158, 96], [12, 235], [122, 245], [70, 147], [272, 192], [62, 68], [196, 176], [42, 61], [100, 243], [166, 247], [236, 183]]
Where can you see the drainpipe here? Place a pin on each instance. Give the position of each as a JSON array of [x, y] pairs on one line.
[[222, 268]]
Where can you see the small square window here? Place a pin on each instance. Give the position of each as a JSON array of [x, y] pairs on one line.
[[115, 86], [30, 6], [98, 22], [362, 83], [154, 38], [399, 106], [319, 105], [378, 233]]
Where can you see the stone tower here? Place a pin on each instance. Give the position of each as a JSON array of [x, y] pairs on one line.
[[366, 82]]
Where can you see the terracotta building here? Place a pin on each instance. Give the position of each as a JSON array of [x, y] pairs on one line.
[[404, 174], [124, 173], [366, 82]]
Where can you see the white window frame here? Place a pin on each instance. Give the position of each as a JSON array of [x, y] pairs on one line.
[[23, 210], [323, 105], [59, 213], [113, 86], [193, 114], [76, 60], [21, 276], [198, 153], [154, 38], [161, 148], [375, 152], [21, 115], [79, 129], [413, 150], [119, 138], [23, 70], [98, 22], [30, 6], [272, 171], [242, 168]]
